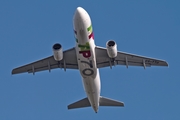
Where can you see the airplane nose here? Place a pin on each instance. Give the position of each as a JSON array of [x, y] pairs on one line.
[[79, 11], [79, 16]]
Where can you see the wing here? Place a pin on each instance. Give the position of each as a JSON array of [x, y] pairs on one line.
[[69, 61], [127, 59]]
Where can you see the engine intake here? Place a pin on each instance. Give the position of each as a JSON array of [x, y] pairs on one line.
[[58, 52], [111, 48]]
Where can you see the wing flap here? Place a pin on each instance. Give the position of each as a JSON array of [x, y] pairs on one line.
[[119, 62]]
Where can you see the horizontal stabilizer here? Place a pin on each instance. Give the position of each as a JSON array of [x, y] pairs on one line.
[[102, 102], [109, 102], [79, 104]]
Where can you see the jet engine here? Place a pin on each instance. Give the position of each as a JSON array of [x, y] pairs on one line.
[[58, 52], [111, 48]]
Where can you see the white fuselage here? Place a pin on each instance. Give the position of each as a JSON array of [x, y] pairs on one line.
[[85, 50]]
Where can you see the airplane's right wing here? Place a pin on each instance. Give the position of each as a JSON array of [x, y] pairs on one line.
[[126, 59], [69, 61]]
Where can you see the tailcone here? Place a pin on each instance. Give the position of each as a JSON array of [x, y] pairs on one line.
[[95, 110]]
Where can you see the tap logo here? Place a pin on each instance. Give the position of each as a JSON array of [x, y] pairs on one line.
[[85, 49]]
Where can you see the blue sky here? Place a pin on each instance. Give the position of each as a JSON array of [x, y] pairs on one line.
[[28, 29]]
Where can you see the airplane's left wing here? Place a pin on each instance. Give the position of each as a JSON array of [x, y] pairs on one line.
[[69, 61], [126, 59]]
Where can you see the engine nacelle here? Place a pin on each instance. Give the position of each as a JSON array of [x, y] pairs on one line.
[[111, 48], [58, 52]]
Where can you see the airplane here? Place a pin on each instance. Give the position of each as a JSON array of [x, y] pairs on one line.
[[88, 58]]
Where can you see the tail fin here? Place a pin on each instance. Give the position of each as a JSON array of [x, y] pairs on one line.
[[109, 102]]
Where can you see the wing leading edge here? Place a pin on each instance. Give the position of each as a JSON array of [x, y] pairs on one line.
[[126, 59], [69, 61]]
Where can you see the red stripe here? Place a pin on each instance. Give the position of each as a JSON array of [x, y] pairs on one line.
[[91, 36]]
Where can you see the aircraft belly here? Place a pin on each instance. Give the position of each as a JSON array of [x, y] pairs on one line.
[[85, 51], [92, 89]]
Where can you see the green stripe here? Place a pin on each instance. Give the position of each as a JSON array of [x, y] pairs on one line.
[[90, 29], [84, 47]]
